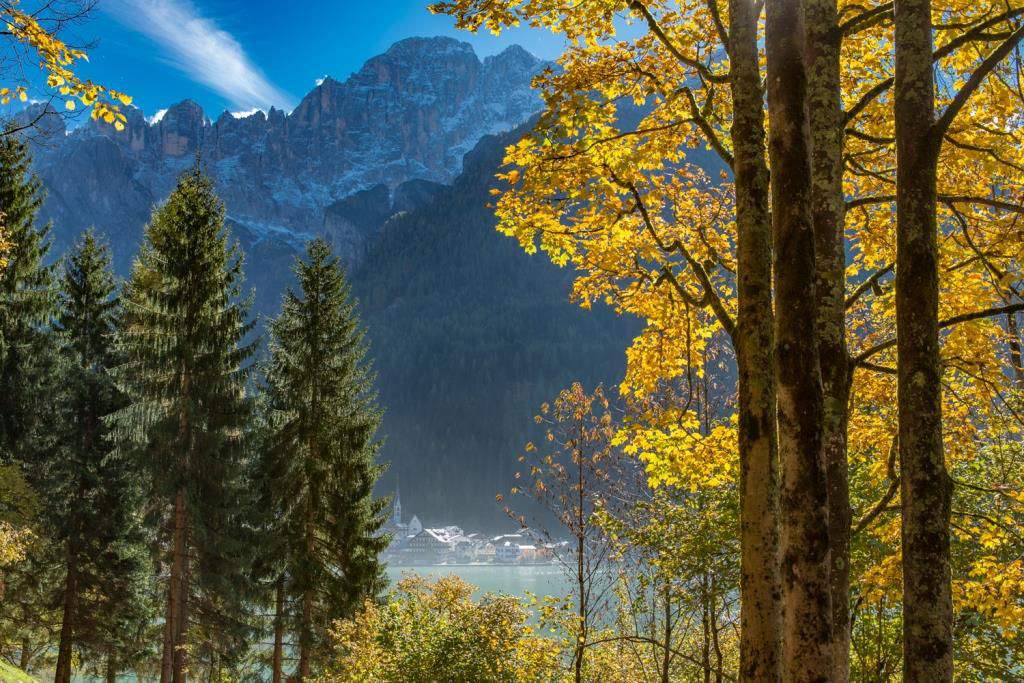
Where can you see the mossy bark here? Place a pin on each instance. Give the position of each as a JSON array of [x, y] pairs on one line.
[[925, 486], [826, 120], [760, 582], [807, 599]]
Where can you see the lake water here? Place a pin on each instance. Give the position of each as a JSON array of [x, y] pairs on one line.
[[516, 580]]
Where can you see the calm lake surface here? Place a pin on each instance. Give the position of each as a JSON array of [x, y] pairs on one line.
[[495, 578]]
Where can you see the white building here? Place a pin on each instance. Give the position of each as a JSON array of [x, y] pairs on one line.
[[506, 551]]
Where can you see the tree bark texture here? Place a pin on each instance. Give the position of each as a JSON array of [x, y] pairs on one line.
[[925, 486], [760, 582], [827, 122], [807, 601]]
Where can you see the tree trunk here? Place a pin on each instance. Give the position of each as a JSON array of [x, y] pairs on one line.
[[111, 668], [1015, 360], [705, 622], [305, 636], [807, 610], [175, 592], [278, 630], [581, 638], [760, 582], [25, 657], [828, 216], [925, 486], [181, 639], [62, 673], [305, 632], [666, 654], [716, 644]]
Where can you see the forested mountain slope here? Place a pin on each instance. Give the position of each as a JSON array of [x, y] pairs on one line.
[[470, 335]]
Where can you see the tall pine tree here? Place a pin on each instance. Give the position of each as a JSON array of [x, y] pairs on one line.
[[27, 378], [93, 502], [321, 451], [184, 350], [27, 299]]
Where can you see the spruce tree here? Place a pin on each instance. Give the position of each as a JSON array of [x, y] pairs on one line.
[[184, 350], [321, 452], [93, 502], [27, 379], [27, 298]]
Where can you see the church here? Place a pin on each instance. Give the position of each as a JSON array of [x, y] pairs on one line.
[[399, 530]]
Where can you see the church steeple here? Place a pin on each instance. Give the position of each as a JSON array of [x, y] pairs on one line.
[[396, 515]]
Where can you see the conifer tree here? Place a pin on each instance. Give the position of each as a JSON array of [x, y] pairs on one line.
[[27, 297], [93, 504], [27, 377], [184, 350], [320, 452]]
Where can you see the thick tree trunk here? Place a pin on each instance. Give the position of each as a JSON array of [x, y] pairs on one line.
[[807, 610], [828, 215], [278, 630], [68, 618], [760, 582], [925, 486]]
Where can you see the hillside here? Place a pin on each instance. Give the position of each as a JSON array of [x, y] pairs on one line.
[[470, 335]]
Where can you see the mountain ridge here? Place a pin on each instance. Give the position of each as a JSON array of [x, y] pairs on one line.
[[410, 113]]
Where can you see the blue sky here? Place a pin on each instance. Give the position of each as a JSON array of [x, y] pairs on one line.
[[244, 54]]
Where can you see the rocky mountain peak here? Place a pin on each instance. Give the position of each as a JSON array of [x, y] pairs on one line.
[[411, 113]]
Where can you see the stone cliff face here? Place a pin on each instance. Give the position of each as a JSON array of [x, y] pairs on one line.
[[411, 113]]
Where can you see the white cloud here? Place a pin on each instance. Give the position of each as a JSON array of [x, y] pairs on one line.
[[320, 81], [198, 47], [155, 118]]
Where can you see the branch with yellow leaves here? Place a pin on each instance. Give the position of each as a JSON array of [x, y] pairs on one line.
[[652, 23], [57, 60], [978, 76], [710, 297], [883, 503], [976, 33], [860, 358]]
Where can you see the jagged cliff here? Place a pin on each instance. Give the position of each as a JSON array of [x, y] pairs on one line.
[[409, 114]]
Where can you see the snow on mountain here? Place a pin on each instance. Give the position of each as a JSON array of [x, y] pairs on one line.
[[411, 113]]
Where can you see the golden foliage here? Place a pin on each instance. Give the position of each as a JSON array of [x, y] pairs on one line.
[[57, 60], [626, 178]]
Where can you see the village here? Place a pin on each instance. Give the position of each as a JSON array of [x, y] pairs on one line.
[[414, 544]]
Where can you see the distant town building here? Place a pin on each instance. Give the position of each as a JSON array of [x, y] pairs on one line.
[[506, 551], [413, 544], [430, 546]]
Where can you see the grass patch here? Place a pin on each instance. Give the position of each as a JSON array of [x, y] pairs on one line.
[[9, 674]]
